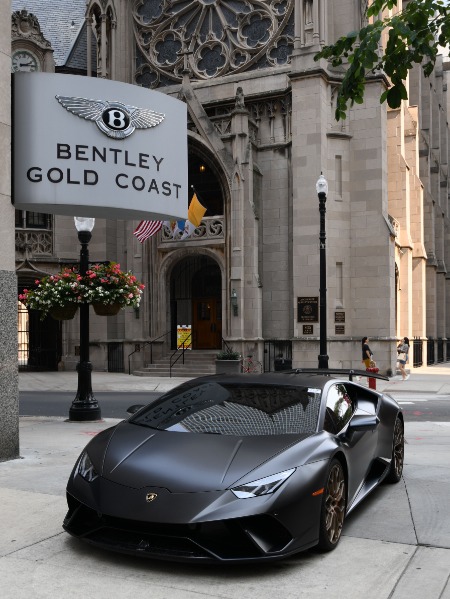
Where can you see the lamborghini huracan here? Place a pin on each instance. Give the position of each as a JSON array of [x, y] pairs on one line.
[[235, 468]]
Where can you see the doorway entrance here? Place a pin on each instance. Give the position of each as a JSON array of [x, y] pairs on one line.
[[39, 341], [196, 301], [207, 323]]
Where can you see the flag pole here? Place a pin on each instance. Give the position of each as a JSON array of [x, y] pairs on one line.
[[196, 193]]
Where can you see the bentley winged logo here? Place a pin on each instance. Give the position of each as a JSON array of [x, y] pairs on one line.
[[150, 497], [115, 119]]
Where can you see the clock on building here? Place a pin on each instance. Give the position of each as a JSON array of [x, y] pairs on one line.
[[24, 60]]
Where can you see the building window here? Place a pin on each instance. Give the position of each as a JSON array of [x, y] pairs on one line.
[[33, 220]]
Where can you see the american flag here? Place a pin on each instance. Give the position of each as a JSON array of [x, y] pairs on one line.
[[147, 228]]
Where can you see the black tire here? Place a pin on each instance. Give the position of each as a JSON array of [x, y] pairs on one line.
[[398, 453], [334, 504]]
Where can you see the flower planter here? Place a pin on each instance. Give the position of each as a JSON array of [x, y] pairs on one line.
[[228, 366], [102, 283], [66, 312], [106, 309]]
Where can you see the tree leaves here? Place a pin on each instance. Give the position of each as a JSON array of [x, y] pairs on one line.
[[413, 37]]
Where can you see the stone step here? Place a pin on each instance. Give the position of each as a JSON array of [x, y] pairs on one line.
[[175, 373], [159, 365], [164, 361], [196, 363]]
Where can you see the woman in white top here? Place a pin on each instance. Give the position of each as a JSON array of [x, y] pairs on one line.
[[402, 356]]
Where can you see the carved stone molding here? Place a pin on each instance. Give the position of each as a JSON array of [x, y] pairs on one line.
[[210, 229], [264, 114], [209, 38], [34, 243], [25, 26]]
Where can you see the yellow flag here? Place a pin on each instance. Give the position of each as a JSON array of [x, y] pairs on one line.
[[196, 211]]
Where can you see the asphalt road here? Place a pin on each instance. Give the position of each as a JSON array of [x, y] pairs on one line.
[[424, 407], [114, 404]]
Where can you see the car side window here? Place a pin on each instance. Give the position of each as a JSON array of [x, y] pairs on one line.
[[339, 409]]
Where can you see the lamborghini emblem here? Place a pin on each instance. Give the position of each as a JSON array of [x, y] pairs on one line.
[[114, 119], [150, 497]]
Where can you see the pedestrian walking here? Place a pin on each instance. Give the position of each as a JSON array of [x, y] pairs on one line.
[[367, 355], [402, 357]]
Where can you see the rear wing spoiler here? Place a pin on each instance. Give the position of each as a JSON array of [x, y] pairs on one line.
[[339, 371]]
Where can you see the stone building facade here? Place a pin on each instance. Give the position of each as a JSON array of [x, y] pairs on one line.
[[9, 401], [260, 131]]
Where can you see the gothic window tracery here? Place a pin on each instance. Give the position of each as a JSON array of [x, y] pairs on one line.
[[102, 25], [209, 37]]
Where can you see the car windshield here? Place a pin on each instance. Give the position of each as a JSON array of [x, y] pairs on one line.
[[234, 409]]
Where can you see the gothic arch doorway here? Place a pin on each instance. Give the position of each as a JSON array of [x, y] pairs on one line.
[[196, 301]]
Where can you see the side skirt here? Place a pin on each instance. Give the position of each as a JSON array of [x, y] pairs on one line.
[[377, 473]]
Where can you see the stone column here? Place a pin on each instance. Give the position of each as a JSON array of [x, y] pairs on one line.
[[9, 401], [244, 273]]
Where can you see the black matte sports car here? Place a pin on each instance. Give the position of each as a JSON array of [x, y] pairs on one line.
[[236, 468]]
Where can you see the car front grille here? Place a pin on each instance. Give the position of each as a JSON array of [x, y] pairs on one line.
[[239, 539]]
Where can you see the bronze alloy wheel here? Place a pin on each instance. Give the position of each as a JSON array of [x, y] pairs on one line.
[[398, 453], [333, 508]]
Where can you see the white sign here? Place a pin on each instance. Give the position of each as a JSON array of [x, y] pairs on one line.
[[98, 148]]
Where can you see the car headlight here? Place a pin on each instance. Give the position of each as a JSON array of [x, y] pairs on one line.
[[86, 468], [263, 486]]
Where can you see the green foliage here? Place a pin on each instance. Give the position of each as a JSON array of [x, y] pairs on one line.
[[414, 37], [107, 284], [103, 283], [54, 291], [228, 354]]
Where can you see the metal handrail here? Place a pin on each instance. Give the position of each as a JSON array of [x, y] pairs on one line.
[[142, 345], [183, 350], [228, 348]]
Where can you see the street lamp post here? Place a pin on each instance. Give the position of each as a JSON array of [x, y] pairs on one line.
[[84, 407], [322, 190]]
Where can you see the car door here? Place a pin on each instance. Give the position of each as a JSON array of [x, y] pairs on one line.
[[360, 447]]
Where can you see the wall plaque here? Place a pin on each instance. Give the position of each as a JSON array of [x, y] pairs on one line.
[[307, 309], [339, 329], [308, 329], [339, 317]]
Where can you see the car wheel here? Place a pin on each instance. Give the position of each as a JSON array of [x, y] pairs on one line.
[[333, 507], [398, 453]]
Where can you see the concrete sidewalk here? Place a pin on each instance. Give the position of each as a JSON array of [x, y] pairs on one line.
[[101, 381], [434, 379], [396, 545]]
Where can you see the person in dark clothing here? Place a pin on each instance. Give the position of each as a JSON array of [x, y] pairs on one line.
[[367, 355]]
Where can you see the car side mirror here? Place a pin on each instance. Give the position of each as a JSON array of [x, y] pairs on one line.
[[134, 408], [363, 422]]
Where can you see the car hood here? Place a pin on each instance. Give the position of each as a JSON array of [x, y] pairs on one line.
[[185, 462]]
